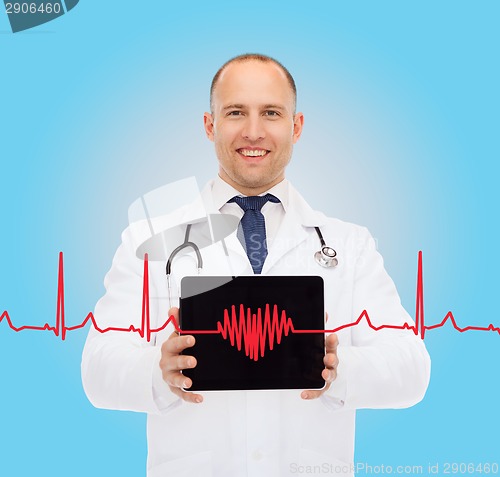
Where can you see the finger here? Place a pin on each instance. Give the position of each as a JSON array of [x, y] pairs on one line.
[[177, 362], [175, 344], [174, 313], [331, 343], [326, 317], [188, 397], [329, 375], [314, 393], [177, 380], [331, 361]]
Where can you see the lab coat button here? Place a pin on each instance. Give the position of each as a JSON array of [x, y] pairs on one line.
[[257, 454]]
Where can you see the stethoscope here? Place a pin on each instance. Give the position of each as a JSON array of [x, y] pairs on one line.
[[326, 257]]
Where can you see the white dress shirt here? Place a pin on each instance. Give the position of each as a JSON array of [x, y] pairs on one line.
[[273, 212]]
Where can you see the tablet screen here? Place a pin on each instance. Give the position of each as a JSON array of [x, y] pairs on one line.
[[254, 332]]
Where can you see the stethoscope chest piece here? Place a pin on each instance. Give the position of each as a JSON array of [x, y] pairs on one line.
[[326, 257]]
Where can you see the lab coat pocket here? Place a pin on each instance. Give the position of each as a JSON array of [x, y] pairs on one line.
[[195, 465]]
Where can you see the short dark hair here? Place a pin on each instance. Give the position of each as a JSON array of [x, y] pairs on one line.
[[256, 57]]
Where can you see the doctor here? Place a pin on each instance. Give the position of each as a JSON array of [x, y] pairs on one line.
[[254, 125]]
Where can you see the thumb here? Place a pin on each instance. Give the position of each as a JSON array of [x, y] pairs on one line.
[[173, 314], [332, 343]]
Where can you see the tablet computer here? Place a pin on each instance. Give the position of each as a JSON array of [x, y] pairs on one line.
[[254, 332]]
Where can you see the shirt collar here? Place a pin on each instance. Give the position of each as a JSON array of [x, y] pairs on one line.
[[222, 192]]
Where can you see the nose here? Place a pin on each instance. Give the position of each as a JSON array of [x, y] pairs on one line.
[[253, 128]]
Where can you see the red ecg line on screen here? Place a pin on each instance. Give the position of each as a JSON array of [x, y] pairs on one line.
[[252, 331], [236, 329]]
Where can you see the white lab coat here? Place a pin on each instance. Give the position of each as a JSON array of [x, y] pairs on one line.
[[259, 433]]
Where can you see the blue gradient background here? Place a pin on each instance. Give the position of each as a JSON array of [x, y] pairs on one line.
[[401, 104]]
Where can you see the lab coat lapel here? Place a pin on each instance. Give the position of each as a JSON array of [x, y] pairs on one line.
[[290, 234], [295, 228], [241, 264]]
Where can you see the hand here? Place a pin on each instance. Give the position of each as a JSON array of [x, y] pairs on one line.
[[331, 362], [172, 362]]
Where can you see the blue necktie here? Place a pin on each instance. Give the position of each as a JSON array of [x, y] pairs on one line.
[[254, 228]]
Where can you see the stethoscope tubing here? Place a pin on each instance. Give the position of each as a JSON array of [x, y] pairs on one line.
[[326, 257]]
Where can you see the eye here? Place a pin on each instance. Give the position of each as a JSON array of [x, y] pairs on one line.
[[271, 113], [234, 113]]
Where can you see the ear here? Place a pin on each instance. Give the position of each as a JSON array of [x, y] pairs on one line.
[[208, 122], [298, 124]]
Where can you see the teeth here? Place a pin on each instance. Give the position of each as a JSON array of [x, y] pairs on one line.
[[253, 152]]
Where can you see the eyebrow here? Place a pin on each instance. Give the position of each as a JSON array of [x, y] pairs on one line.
[[233, 106], [274, 106], [242, 106]]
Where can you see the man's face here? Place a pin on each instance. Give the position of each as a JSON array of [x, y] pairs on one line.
[[253, 125]]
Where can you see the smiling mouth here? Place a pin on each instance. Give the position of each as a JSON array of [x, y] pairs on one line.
[[253, 152]]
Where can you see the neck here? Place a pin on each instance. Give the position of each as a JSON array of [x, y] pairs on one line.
[[250, 191]]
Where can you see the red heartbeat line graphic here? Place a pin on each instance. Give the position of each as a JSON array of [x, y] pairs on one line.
[[252, 331], [60, 329], [236, 329]]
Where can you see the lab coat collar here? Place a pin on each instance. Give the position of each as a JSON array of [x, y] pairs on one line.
[[293, 229], [222, 192], [295, 206]]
